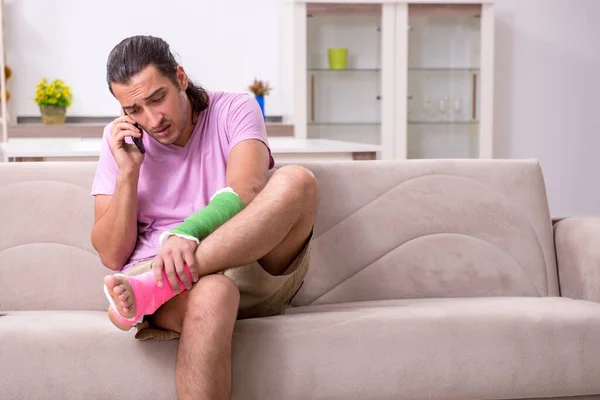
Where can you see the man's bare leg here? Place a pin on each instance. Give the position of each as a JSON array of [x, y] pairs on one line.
[[204, 356], [273, 229]]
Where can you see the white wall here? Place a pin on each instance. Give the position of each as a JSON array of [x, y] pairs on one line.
[[547, 102], [222, 44]]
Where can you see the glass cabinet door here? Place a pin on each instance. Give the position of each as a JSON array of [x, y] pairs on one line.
[[444, 99], [344, 71]]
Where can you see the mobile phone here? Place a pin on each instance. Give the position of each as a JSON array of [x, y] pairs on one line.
[[138, 141]]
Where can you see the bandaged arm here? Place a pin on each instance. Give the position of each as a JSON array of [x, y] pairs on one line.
[[223, 205]]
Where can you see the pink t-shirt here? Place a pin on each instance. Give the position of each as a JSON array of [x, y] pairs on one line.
[[177, 181]]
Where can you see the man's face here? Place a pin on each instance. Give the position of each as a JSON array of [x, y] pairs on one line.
[[156, 104]]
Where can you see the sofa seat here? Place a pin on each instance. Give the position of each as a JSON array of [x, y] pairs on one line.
[[81, 353], [477, 348], [471, 348]]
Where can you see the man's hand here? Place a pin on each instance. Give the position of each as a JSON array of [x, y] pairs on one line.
[[127, 156], [175, 253]]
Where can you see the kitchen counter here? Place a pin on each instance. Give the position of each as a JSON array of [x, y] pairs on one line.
[[94, 130], [284, 149]]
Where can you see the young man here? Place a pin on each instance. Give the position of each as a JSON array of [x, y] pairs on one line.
[[197, 145]]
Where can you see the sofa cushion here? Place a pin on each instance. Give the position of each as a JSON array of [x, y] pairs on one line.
[[578, 256], [435, 348], [384, 230], [430, 228], [47, 260], [80, 355]]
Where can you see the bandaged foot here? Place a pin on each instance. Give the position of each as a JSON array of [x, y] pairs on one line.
[[132, 297]]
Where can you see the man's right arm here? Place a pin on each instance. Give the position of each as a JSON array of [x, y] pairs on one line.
[[114, 233]]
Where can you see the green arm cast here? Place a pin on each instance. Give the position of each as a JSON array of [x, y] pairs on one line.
[[221, 209]]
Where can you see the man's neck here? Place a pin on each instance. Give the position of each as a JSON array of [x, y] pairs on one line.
[[190, 125]]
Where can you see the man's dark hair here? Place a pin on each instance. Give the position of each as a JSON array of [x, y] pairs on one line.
[[135, 53]]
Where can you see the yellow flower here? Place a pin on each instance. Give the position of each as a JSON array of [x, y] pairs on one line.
[[53, 93]]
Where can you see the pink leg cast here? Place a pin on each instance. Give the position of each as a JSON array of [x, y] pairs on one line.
[[148, 295]]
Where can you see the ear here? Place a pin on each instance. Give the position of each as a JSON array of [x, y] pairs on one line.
[[182, 78]]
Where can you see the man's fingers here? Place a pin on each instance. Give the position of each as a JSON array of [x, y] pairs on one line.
[[181, 271], [157, 269], [191, 263], [171, 274], [126, 129], [124, 119]]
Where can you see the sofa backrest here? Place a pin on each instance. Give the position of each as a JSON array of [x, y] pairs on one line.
[[384, 230], [46, 257], [430, 228]]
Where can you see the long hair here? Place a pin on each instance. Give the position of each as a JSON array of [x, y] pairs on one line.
[[135, 53]]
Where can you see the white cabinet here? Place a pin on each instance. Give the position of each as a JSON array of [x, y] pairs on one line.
[[413, 77]]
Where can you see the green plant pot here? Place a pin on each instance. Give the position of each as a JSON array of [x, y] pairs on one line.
[[53, 115], [338, 58]]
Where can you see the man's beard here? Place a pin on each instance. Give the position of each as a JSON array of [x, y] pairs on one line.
[[184, 125]]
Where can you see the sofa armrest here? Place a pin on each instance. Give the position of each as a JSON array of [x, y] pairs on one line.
[[577, 242]]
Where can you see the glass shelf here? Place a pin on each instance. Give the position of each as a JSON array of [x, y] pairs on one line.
[[344, 123], [443, 122], [444, 81], [443, 69], [344, 104], [345, 70]]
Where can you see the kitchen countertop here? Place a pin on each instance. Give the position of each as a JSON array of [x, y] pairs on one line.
[[94, 130], [90, 147]]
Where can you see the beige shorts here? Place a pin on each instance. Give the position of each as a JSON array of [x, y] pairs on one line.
[[261, 294]]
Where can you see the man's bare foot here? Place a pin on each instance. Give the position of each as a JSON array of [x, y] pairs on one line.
[[114, 318], [120, 290]]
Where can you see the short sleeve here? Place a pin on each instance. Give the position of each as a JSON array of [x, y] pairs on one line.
[[105, 179], [245, 121]]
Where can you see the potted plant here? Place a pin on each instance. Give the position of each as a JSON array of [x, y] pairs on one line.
[[53, 98], [7, 75], [260, 90]]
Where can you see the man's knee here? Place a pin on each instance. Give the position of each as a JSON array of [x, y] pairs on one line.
[[299, 182], [214, 297]]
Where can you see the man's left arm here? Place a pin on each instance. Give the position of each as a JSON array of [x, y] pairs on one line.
[[248, 162], [247, 168]]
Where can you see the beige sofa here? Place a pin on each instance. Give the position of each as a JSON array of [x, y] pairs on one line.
[[429, 279]]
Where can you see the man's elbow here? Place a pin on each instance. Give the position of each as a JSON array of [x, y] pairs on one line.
[[113, 265], [108, 257], [110, 261], [249, 192]]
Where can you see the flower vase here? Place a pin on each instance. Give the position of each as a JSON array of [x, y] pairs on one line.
[[261, 103], [53, 115]]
